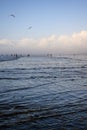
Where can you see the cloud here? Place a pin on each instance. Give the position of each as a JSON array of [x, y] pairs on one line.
[[75, 43]]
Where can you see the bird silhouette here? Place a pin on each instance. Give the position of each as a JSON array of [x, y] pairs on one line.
[[12, 15], [29, 27]]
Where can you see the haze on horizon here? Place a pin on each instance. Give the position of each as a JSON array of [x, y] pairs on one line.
[[58, 26]]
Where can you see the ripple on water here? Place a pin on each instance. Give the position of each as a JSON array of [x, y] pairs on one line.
[[46, 94]]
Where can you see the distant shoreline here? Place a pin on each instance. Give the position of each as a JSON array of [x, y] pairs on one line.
[[8, 57]]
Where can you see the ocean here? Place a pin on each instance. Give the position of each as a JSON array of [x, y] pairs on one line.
[[44, 93]]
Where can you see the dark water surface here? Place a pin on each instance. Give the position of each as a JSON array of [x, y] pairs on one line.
[[42, 93]]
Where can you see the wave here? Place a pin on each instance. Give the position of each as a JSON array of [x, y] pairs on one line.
[[48, 113], [43, 94]]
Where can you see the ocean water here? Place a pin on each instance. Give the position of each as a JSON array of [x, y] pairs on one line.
[[44, 93]]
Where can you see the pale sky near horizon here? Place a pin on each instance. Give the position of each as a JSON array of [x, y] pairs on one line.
[[58, 26]]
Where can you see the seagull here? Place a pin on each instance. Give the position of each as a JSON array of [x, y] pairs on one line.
[[29, 27], [12, 15]]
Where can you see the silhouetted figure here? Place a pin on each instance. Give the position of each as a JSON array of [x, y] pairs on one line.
[[28, 55]]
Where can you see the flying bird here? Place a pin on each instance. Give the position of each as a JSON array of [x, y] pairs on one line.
[[29, 27], [12, 15]]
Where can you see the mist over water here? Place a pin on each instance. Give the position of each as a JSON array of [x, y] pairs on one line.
[[46, 93]]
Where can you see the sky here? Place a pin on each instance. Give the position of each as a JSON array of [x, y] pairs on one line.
[[57, 26]]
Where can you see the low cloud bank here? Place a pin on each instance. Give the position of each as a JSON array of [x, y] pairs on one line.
[[75, 43]]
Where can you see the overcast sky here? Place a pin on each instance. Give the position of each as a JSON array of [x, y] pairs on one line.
[[56, 26]]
